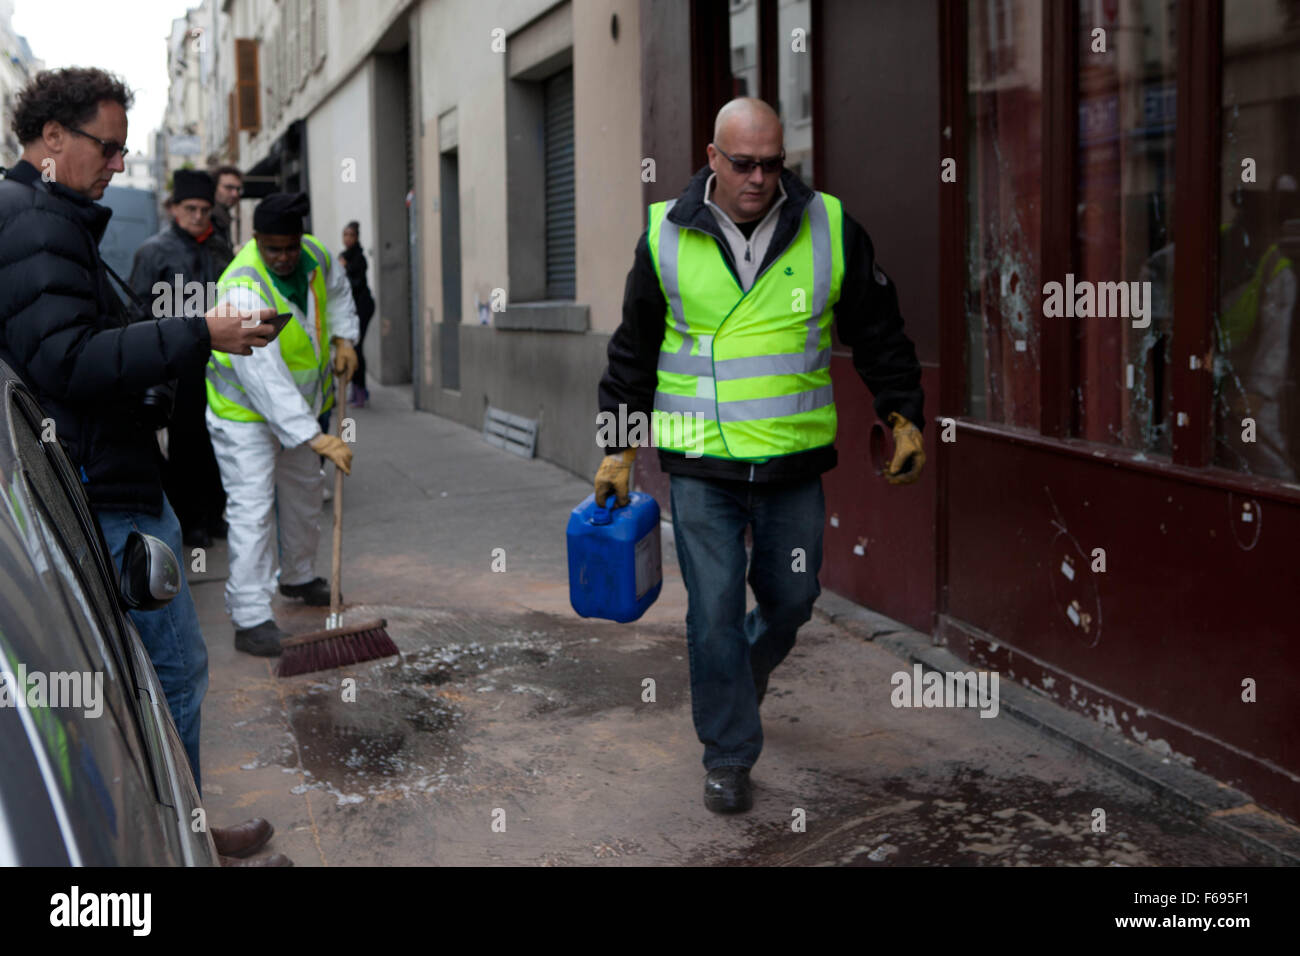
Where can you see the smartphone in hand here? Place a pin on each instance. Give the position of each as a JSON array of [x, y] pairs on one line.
[[279, 322]]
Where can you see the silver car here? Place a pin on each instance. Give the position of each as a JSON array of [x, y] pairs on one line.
[[92, 771]]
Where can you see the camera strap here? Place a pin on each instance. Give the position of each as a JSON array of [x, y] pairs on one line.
[[144, 313]]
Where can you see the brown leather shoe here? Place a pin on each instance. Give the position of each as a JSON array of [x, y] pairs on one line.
[[275, 859], [243, 839]]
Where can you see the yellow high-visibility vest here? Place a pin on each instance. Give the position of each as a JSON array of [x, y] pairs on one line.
[[1237, 318], [309, 365], [746, 375]]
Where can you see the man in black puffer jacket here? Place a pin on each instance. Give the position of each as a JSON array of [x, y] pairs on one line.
[[64, 330]]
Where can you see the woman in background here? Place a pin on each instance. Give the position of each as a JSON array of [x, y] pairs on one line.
[[354, 263]]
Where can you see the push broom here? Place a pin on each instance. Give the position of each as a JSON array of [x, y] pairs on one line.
[[337, 645]]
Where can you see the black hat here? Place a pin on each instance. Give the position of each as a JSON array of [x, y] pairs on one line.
[[280, 214], [193, 184]]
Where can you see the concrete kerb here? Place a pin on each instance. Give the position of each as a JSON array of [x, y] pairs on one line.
[[1226, 812]]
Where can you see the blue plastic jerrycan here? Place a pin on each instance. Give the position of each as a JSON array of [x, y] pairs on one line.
[[615, 562]]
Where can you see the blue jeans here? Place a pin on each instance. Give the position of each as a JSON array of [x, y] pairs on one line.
[[171, 634], [729, 649]]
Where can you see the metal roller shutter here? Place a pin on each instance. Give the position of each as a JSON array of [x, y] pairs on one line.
[[561, 268]]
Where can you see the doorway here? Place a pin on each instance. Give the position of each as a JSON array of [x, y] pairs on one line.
[[449, 327]]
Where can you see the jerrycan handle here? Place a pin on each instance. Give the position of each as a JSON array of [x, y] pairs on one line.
[[605, 515]]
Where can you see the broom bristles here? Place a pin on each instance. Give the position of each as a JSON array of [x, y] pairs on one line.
[[339, 647]]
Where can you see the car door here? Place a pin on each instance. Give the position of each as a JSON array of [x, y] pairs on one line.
[[128, 799]]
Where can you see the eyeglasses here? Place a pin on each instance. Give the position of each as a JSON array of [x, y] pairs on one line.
[[744, 166], [110, 147]]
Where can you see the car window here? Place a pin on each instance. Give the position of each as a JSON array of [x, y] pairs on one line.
[[76, 575], [60, 491]]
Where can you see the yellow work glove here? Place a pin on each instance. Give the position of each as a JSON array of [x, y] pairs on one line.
[[335, 449], [907, 445], [345, 359], [613, 475]]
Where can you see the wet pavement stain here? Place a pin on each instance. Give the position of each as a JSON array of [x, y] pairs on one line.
[[543, 715], [975, 819], [411, 719], [406, 742]]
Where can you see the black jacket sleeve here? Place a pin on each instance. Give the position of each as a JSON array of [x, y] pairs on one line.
[[354, 265], [56, 328], [868, 321], [632, 373]]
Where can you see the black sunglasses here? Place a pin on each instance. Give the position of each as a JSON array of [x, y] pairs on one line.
[[109, 147], [743, 167]]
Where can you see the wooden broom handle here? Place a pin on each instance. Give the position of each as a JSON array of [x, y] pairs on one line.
[[335, 586]]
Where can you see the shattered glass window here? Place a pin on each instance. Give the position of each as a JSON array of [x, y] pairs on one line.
[[1122, 290], [1003, 219], [1256, 346]]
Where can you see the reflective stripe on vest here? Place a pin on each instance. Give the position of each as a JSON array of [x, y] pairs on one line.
[[309, 365], [317, 250], [747, 375]]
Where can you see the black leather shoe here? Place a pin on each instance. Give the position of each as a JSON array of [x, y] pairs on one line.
[[760, 687], [315, 592], [260, 641], [728, 790], [243, 839]]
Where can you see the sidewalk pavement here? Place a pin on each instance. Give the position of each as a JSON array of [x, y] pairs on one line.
[[513, 731]]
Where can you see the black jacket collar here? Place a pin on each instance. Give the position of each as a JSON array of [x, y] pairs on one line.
[[92, 215], [690, 212], [182, 236]]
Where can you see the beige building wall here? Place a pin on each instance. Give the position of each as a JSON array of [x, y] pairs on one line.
[[607, 139], [607, 164], [459, 71], [339, 152], [462, 84], [549, 376]]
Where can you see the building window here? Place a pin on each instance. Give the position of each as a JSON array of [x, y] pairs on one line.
[[1003, 218], [1124, 209], [1000, 53], [248, 86], [1256, 344], [561, 252], [794, 41], [744, 48]]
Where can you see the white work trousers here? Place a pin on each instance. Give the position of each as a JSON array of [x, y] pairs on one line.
[[265, 484]]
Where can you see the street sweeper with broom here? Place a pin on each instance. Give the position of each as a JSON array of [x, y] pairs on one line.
[[263, 412]]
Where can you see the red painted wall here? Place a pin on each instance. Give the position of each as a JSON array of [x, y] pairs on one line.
[[893, 524], [1197, 595], [880, 155]]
